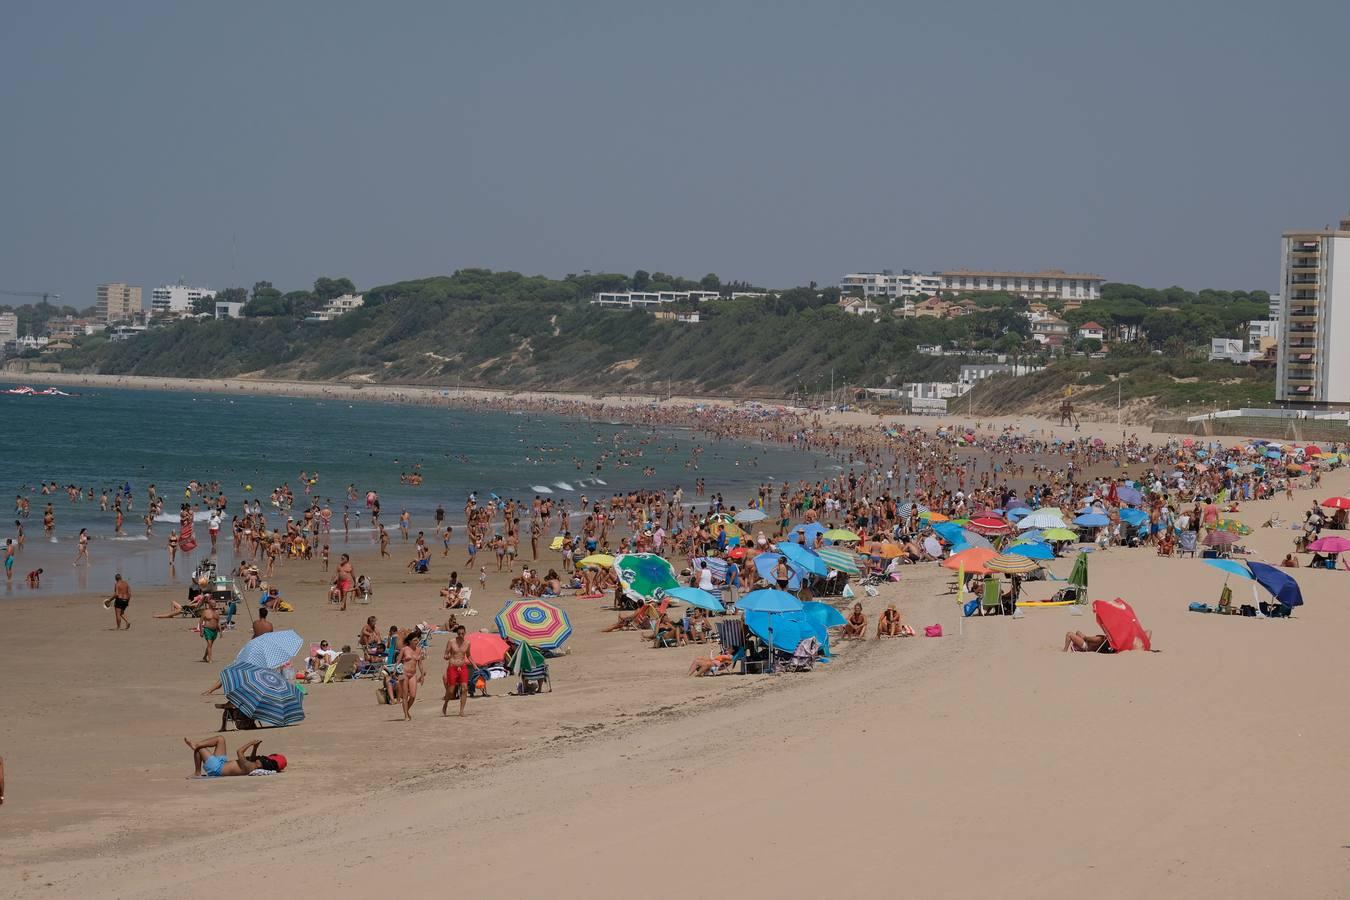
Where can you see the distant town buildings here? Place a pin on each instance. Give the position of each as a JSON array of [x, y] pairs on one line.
[[653, 299], [177, 298], [887, 283], [1051, 284], [335, 308], [1314, 316], [117, 301], [228, 309]]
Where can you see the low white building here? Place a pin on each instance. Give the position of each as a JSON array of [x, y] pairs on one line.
[[649, 299], [857, 307], [887, 283], [973, 372], [1262, 331], [336, 308], [228, 309], [177, 298], [1051, 284], [1230, 349]]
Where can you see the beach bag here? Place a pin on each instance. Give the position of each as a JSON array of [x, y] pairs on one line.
[[933, 631], [848, 592], [283, 606], [972, 605], [1199, 607], [871, 591], [1248, 610]]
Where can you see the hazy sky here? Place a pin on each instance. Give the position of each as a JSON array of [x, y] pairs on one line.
[[227, 142]]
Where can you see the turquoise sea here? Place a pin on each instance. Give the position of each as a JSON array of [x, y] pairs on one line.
[[106, 438]]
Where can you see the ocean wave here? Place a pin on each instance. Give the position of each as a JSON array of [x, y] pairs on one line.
[[540, 489], [127, 537], [563, 485], [198, 516]]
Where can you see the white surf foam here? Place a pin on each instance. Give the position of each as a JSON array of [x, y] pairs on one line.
[[540, 489]]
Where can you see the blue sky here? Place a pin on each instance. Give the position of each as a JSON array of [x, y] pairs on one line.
[[1163, 143]]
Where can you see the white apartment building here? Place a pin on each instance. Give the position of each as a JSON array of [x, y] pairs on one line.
[[335, 308], [1051, 284], [887, 283], [228, 309], [1314, 355], [1260, 331], [649, 299], [9, 327], [177, 298]]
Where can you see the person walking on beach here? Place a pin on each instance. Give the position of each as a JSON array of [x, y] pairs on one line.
[[121, 599], [346, 580], [9, 560], [82, 552], [210, 628], [413, 674], [456, 671]]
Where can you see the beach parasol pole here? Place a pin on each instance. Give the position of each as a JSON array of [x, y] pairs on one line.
[[961, 600]]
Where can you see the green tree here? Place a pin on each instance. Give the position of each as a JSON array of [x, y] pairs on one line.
[[641, 278], [329, 288], [710, 282]]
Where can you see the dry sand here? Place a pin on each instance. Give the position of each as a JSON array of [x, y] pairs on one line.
[[985, 762]]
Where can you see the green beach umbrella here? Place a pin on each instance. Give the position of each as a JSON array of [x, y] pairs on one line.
[[1079, 574], [841, 534], [1058, 534], [841, 560], [644, 576], [525, 659]]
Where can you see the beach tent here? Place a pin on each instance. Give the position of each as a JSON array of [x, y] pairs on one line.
[[1120, 625]]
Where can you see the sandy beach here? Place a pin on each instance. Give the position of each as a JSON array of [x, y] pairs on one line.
[[982, 762]]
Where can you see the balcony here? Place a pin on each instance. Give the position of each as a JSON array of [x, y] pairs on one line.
[[1302, 262], [1303, 329], [1303, 312]]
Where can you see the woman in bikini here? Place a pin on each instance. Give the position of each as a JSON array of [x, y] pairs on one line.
[[856, 626], [210, 758], [410, 660]]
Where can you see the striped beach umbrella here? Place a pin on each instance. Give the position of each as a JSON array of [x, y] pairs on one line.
[[263, 694], [905, 510], [270, 650], [840, 560], [1012, 564], [989, 525], [644, 576], [534, 622], [526, 660]]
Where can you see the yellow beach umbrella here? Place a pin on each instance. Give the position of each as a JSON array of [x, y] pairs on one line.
[[603, 560], [841, 534]]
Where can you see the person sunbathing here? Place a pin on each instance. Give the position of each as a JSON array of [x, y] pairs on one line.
[[1078, 642], [713, 665], [891, 624], [667, 632], [855, 627], [209, 758], [639, 618]]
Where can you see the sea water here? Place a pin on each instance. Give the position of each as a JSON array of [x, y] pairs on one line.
[[251, 444]]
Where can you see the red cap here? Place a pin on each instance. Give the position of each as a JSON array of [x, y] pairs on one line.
[[279, 760]]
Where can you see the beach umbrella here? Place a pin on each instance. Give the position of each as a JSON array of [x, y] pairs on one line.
[[1120, 625], [1133, 516], [1058, 534], [486, 648], [1011, 564], [884, 549], [905, 510], [644, 576], [1281, 585], [784, 631], [525, 659], [1330, 544], [1079, 575], [533, 621], [949, 532], [933, 516], [1129, 495], [972, 559], [1033, 550], [1092, 520], [989, 525], [823, 613], [1273, 454], [803, 558], [839, 560], [1041, 519], [769, 600], [1337, 503], [765, 563], [971, 539], [1229, 567], [270, 650], [262, 693], [841, 534], [808, 531], [697, 597], [932, 547], [750, 516], [1017, 514], [1232, 525], [603, 560], [1016, 505], [1220, 539]]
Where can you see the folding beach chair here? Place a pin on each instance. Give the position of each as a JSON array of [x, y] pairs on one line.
[[991, 600], [342, 668], [1186, 543]]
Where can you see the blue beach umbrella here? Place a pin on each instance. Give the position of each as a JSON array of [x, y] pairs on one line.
[[1133, 516], [749, 516], [1282, 586], [262, 694], [270, 650], [1032, 550], [765, 563], [1230, 567], [1092, 520], [784, 631], [770, 601], [1129, 495], [696, 597], [803, 558], [949, 531], [823, 613], [808, 531]]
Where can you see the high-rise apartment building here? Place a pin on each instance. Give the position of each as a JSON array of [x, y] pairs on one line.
[[118, 302], [1314, 361], [177, 298]]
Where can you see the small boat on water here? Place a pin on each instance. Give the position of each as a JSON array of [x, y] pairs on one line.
[[52, 392], [23, 389], [26, 391]]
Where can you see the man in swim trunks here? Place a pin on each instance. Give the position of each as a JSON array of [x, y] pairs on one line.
[[209, 758], [346, 580], [121, 599], [456, 670], [210, 627]]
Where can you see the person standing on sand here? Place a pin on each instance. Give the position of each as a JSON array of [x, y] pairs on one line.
[[346, 580], [456, 670], [121, 599], [210, 628], [9, 560]]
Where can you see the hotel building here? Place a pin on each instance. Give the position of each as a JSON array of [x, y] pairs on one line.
[[1314, 360]]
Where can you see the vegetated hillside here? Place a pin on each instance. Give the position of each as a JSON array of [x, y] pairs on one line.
[[1144, 385], [514, 331]]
